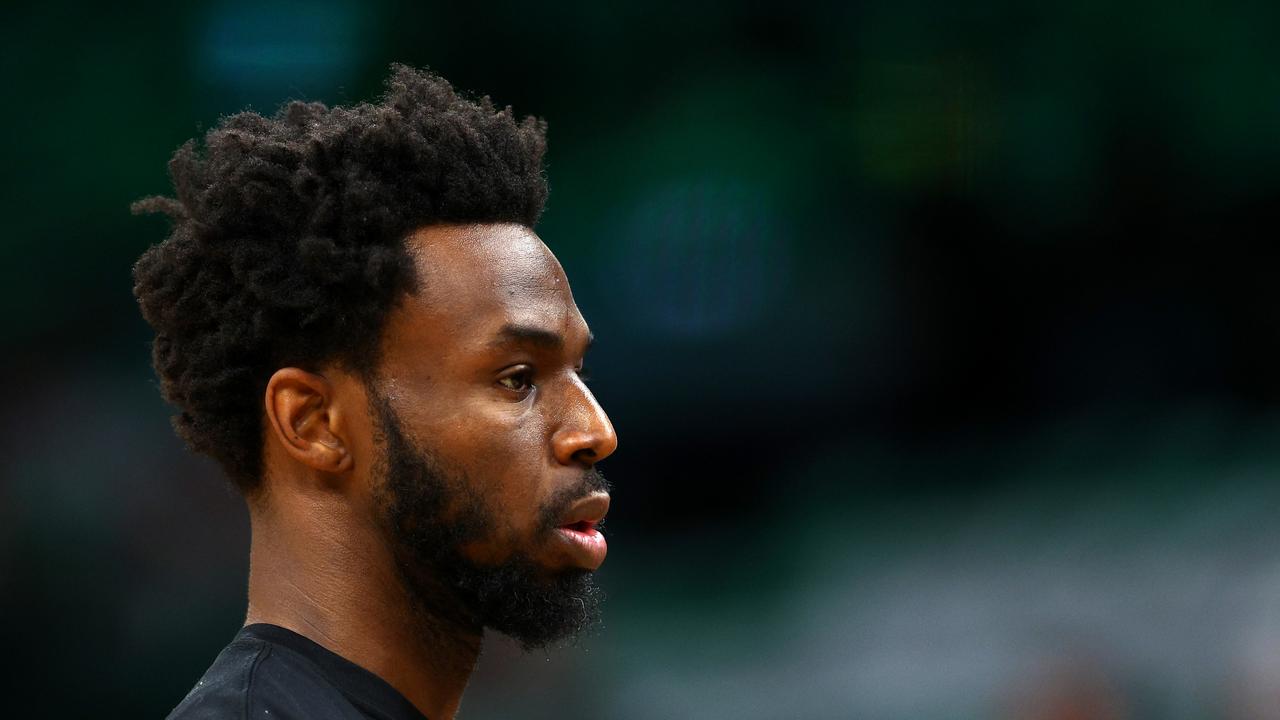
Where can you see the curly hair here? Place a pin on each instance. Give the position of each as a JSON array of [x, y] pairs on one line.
[[287, 241]]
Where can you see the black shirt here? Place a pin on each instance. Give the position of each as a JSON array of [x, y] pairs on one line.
[[270, 673]]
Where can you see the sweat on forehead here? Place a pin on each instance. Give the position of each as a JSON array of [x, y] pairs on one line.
[[474, 283], [480, 265]]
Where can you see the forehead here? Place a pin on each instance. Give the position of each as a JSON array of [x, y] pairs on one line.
[[475, 279]]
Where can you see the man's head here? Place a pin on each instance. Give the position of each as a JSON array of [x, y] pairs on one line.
[[490, 435], [353, 304]]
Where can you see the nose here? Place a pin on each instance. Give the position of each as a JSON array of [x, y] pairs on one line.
[[584, 436]]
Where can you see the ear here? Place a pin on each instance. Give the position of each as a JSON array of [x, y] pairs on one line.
[[307, 422]]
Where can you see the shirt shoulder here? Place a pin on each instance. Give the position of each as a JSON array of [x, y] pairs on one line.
[[259, 680]]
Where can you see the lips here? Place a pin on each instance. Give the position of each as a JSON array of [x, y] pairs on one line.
[[590, 510], [578, 534]]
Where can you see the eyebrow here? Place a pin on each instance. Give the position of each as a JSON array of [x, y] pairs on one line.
[[532, 335]]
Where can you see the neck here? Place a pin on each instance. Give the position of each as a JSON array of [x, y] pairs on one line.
[[337, 585]]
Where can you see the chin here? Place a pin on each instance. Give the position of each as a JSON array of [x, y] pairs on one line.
[[536, 606]]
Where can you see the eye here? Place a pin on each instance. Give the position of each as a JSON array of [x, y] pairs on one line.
[[520, 380]]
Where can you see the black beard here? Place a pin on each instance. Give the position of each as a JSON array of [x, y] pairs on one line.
[[429, 513]]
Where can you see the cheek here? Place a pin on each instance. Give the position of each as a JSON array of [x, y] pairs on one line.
[[507, 466]]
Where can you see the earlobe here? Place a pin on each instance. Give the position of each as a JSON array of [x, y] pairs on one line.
[[303, 417]]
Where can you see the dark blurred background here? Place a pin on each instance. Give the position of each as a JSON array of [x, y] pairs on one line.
[[943, 343]]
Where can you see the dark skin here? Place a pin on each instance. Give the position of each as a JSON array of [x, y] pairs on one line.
[[482, 364]]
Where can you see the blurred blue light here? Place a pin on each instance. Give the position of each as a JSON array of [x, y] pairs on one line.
[[266, 52], [701, 258]]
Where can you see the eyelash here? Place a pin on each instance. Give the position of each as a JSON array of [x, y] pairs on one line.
[[526, 374]]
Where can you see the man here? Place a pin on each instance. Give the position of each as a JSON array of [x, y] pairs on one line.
[[354, 316]]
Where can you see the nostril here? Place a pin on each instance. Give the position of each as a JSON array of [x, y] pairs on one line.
[[583, 458], [574, 447]]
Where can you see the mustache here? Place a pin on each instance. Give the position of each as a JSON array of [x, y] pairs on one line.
[[591, 481]]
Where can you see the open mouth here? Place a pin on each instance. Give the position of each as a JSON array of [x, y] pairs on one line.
[[585, 546], [586, 514], [582, 526]]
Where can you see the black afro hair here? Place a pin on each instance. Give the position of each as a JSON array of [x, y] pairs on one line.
[[287, 247]]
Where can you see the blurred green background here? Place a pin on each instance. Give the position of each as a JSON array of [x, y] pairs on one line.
[[942, 341]]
